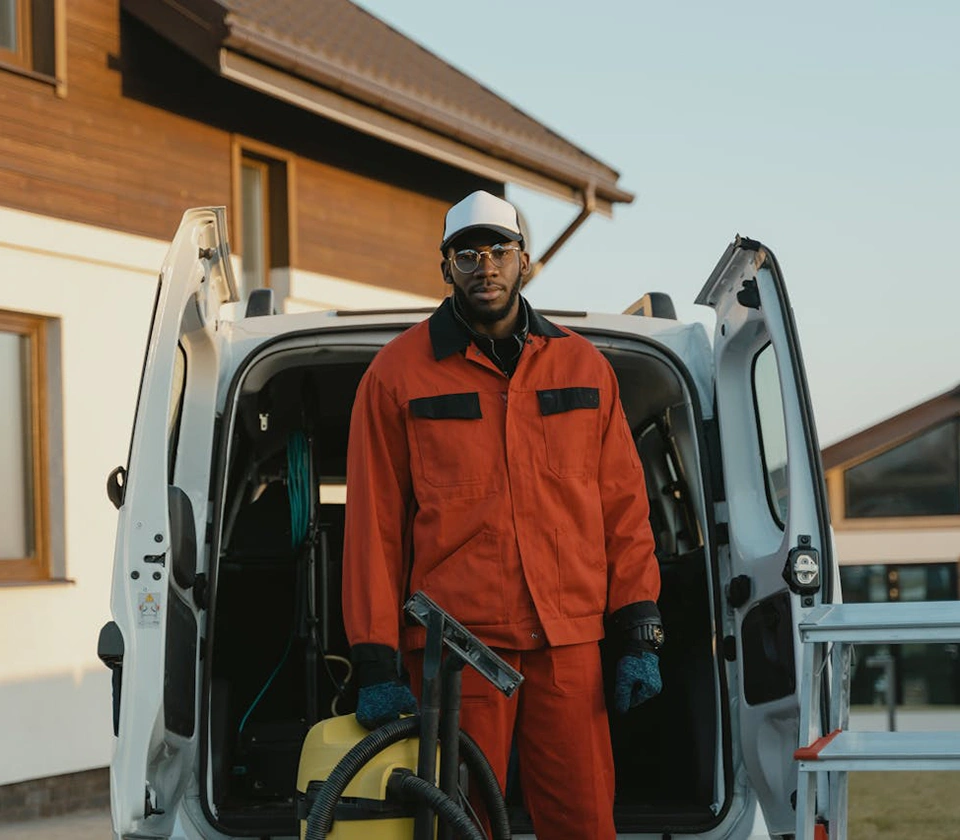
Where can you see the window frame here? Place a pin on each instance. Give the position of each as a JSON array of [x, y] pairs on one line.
[[38, 566], [281, 177], [42, 52], [23, 55], [836, 490]]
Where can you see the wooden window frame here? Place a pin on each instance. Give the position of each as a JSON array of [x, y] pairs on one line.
[[246, 148], [23, 55], [835, 479], [36, 567], [42, 38]]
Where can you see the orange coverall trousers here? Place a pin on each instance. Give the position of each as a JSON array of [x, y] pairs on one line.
[[562, 735]]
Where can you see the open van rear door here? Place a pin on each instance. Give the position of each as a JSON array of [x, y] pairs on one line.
[[157, 593], [777, 535]]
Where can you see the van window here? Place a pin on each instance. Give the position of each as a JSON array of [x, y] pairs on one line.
[[772, 430], [176, 409]]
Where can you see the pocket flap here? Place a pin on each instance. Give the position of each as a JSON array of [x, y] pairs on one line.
[[447, 407], [558, 400]]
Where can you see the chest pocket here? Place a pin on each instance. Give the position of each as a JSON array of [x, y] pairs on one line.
[[571, 429], [449, 433]]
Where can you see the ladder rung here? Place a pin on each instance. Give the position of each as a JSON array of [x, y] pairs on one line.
[[928, 621], [882, 751]]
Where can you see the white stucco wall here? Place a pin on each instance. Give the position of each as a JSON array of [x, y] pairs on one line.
[[919, 545], [55, 706], [55, 714]]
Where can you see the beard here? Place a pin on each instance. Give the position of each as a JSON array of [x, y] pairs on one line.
[[473, 315]]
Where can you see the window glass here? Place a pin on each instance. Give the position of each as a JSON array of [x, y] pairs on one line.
[[918, 478], [254, 197], [8, 25], [175, 409], [16, 448], [773, 431]]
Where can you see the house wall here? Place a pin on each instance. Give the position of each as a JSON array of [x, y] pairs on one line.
[[55, 713], [145, 132]]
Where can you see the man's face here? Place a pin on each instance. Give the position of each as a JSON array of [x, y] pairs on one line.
[[488, 294]]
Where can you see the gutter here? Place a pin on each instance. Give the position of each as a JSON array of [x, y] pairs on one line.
[[588, 205]]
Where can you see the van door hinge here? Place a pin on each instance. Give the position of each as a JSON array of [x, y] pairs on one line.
[[749, 295]]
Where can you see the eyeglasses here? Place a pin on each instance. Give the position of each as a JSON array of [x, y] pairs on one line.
[[468, 261]]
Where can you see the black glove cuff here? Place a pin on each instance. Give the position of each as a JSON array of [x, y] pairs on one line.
[[635, 615], [373, 664], [640, 625]]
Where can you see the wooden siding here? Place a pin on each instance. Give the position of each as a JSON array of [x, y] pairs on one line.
[[356, 227], [145, 132], [96, 156]]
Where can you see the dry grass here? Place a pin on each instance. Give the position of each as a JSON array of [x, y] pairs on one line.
[[904, 806]]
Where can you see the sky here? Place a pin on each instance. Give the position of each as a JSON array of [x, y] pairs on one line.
[[828, 131]]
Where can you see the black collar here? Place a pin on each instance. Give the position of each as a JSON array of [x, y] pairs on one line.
[[449, 335]]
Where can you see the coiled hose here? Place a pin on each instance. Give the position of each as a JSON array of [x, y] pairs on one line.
[[320, 818], [407, 784]]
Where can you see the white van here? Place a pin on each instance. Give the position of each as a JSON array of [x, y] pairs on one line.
[[227, 642]]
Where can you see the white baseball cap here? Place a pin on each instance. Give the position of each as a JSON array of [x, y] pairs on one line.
[[482, 210]]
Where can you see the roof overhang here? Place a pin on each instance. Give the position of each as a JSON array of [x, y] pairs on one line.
[[409, 135], [251, 56]]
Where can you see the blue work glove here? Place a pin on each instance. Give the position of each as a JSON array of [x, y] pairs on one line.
[[638, 679], [381, 697], [381, 703]]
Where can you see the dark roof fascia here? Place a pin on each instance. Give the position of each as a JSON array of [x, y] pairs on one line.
[[198, 30], [893, 430], [257, 43]]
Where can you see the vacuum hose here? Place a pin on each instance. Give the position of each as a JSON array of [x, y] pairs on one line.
[[320, 818], [405, 784]]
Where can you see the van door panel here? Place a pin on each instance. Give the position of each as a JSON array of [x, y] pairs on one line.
[[151, 603], [775, 502]]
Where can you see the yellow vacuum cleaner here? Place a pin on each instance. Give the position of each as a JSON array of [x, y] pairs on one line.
[[349, 778]]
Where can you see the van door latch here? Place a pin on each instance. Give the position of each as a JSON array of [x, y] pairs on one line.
[[155, 558], [802, 569]]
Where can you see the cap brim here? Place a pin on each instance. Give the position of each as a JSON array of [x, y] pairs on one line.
[[512, 235]]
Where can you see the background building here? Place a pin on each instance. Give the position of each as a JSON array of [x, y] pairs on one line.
[[895, 504], [335, 142]]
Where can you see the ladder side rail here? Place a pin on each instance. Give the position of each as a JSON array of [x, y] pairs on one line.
[[807, 783]]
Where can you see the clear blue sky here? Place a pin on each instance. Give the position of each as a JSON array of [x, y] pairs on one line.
[[829, 131]]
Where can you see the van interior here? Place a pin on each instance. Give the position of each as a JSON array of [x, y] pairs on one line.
[[277, 660]]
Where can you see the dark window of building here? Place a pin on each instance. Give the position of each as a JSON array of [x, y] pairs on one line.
[[924, 674], [918, 478]]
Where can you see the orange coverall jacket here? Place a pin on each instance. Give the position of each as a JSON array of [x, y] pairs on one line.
[[518, 504]]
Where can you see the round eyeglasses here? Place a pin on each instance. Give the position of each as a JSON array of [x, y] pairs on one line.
[[468, 261]]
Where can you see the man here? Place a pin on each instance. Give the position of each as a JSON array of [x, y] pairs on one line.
[[490, 465]]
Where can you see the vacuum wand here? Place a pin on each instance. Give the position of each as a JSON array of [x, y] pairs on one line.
[[442, 688]]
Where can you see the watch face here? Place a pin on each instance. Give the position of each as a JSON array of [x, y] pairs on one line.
[[658, 636]]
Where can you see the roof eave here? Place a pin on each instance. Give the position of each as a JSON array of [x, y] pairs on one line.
[[254, 43]]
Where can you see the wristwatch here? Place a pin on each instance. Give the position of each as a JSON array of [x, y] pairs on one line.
[[650, 632]]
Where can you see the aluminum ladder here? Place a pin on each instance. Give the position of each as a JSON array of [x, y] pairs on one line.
[[827, 635]]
